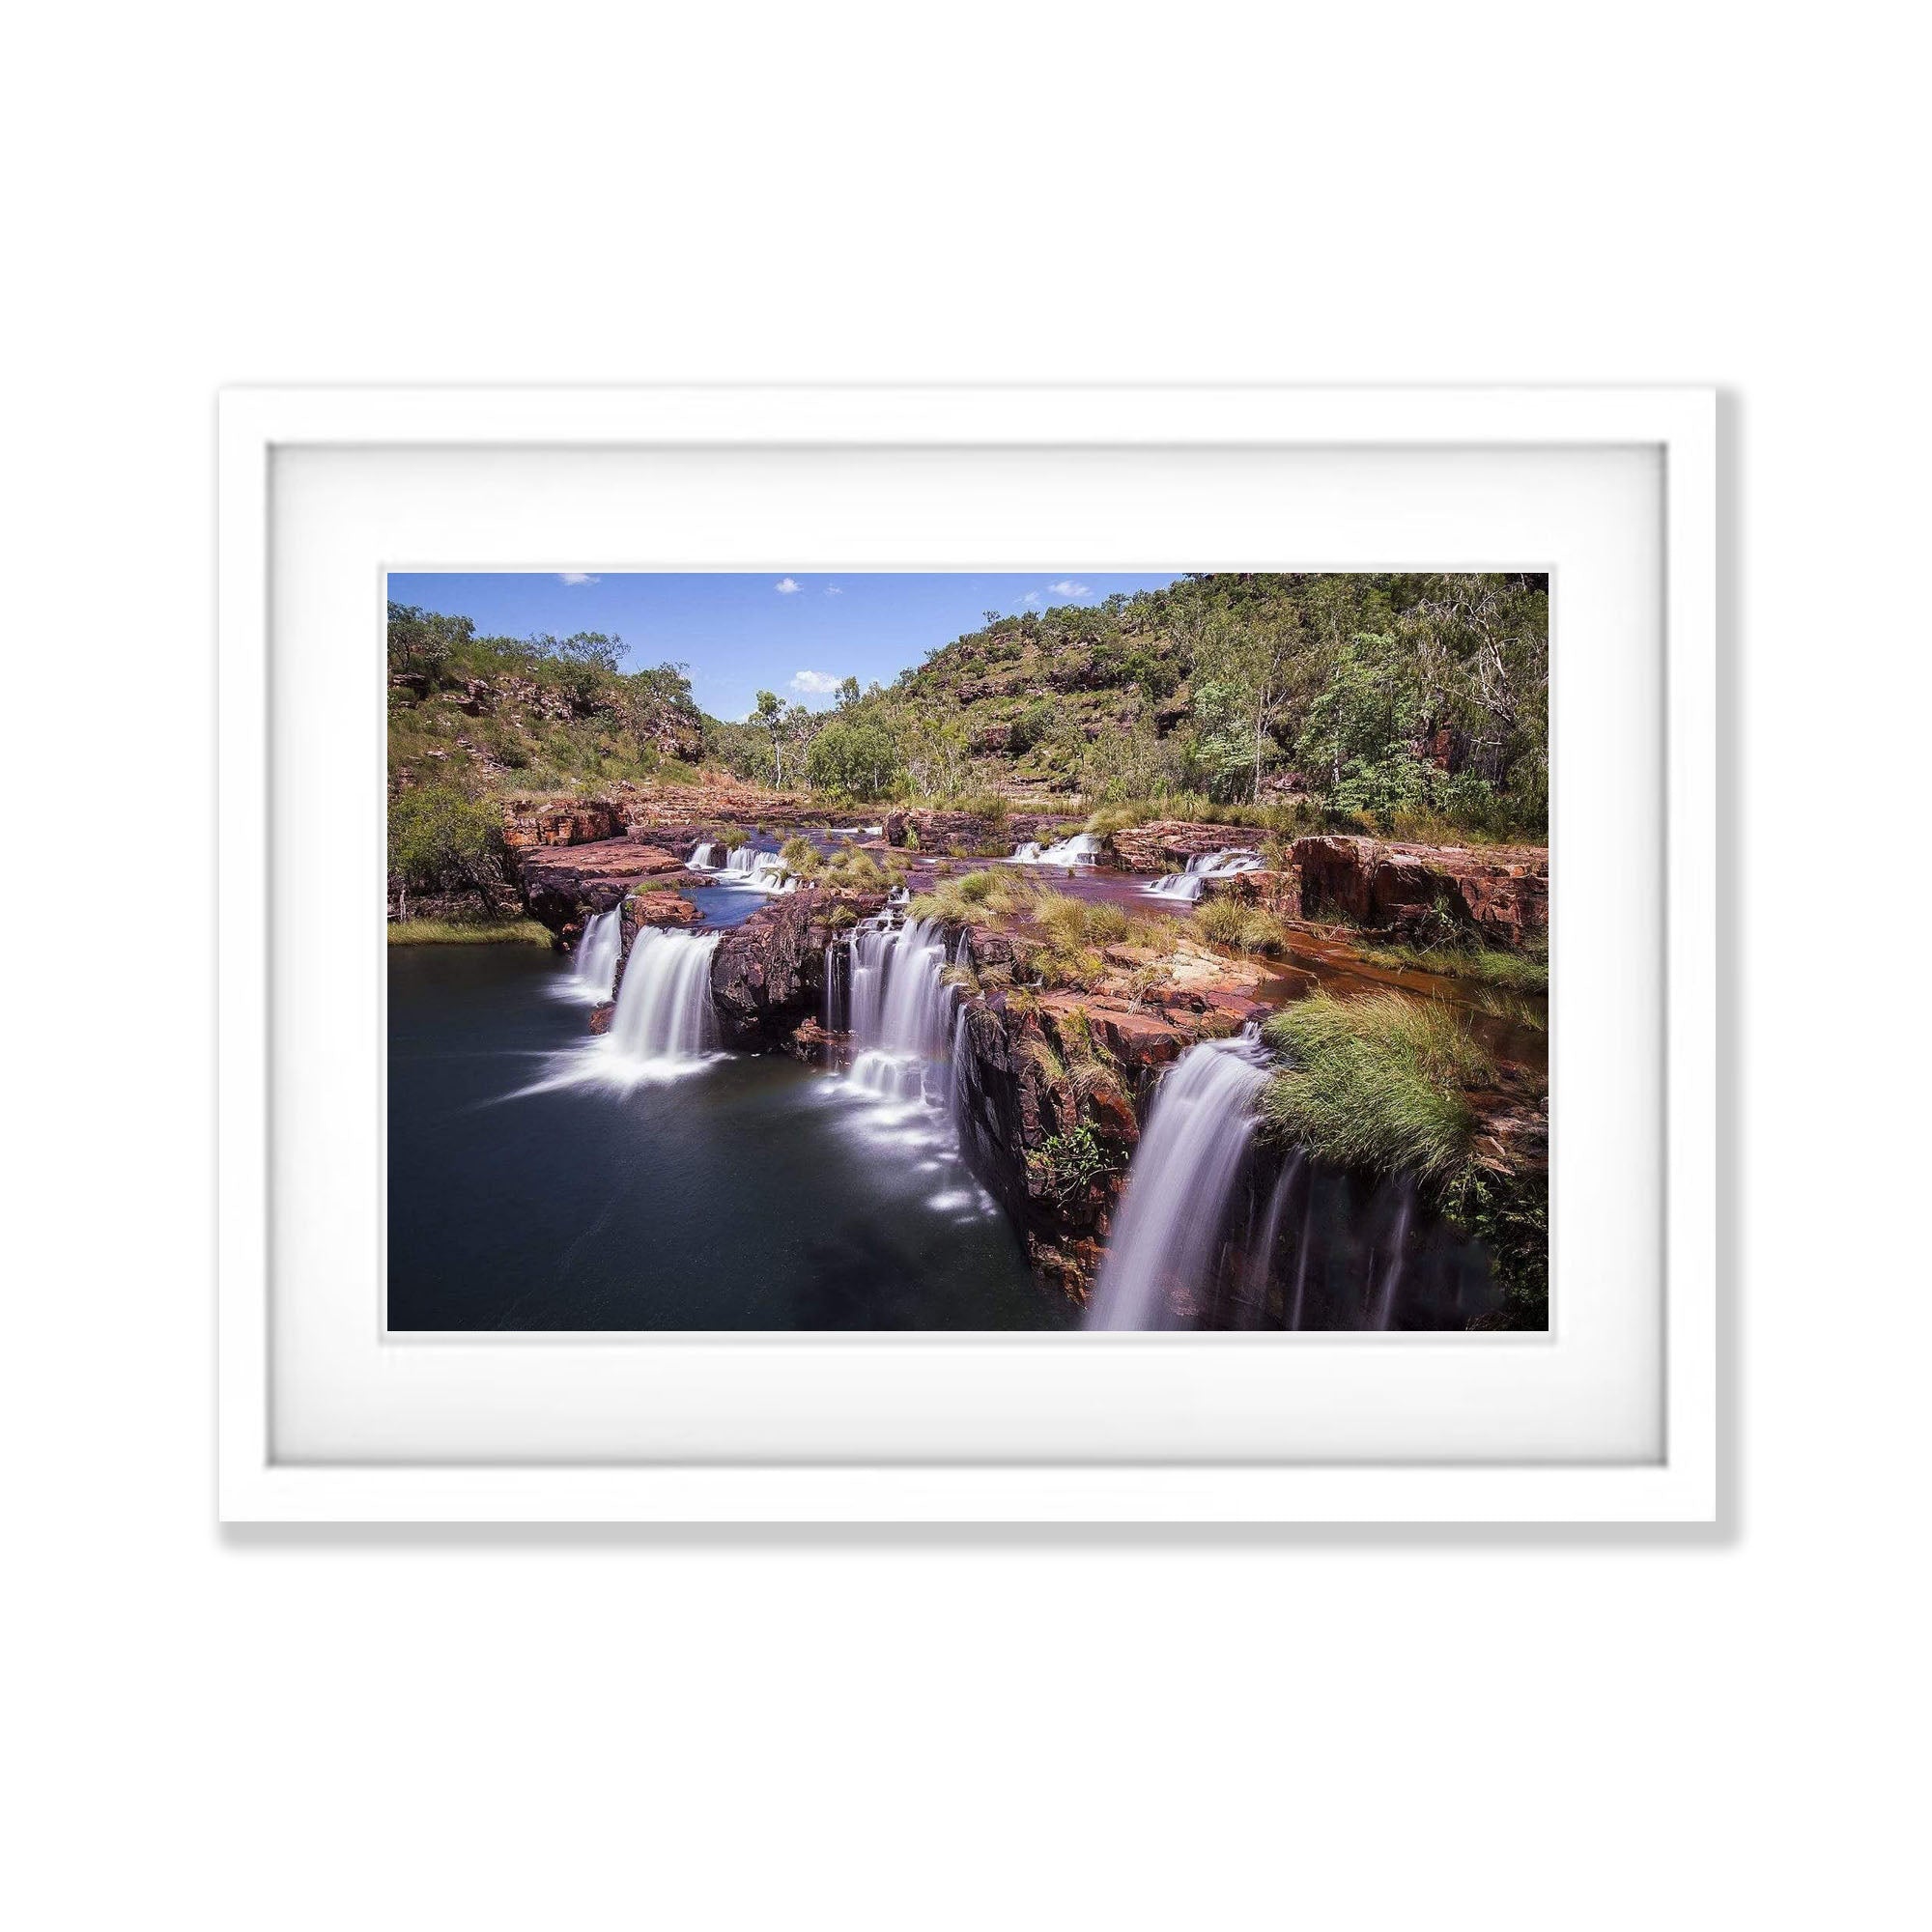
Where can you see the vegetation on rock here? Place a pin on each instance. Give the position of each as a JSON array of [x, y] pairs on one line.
[[1379, 1083]]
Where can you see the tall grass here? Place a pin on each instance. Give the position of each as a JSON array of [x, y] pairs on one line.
[[1240, 928], [467, 932], [1378, 1083], [1063, 938]]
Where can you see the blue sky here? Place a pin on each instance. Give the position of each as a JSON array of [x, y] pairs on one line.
[[796, 634]]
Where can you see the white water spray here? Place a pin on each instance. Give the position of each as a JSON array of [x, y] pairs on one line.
[[760, 871], [1170, 1223], [594, 972], [663, 1002], [1204, 866], [1082, 849], [901, 1007]]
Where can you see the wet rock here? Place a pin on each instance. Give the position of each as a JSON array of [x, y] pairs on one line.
[[602, 1016], [768, 975], [657, 908]]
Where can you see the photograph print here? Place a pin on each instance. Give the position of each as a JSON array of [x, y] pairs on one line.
[[782, 951]]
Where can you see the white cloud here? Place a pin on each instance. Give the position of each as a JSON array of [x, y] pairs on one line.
[[1033, 600], [785, 586], [815, 683], [1067, 588], [577, 577], [833, 590]]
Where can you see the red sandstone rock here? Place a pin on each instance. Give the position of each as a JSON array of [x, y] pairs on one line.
[[654, 908]]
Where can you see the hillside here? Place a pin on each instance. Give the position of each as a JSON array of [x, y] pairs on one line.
[[536, 715], [1381, 695]]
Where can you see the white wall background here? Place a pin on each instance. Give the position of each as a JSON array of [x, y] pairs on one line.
[[419, 1730]]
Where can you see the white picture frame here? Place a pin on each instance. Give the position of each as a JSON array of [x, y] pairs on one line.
[[1678, 1483]]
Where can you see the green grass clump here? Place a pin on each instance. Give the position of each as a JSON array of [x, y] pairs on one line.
[[1508, 972], [467, 932], [1378, 1083], [1240, 928], [858, 870], [975, 898]]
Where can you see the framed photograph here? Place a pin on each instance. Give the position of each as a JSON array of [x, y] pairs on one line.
[[960, 955]]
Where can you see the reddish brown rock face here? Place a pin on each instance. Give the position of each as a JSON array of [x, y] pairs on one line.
[[659, 909], [578, 823], [562, 886], [1503, 892]]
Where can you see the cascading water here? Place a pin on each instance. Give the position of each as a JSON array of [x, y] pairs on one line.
[[760, 871], [663, 1001], [1170, 1224], [836, 963], [703, 857], [1224, 865], [901, 1007], [595, 969], [1082, 849]]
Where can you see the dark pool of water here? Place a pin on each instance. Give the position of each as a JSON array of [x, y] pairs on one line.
[[751, 1194]]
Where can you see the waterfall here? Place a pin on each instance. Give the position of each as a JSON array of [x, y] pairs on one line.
[[664, 1002], [703, 857], [835, 962], [1082, 849], [902, 1008], [595, 971], [1223, 864], [1168, 1226], [761, 872], [1260, 1268]]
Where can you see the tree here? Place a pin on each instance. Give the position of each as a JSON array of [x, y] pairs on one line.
[[422, 642], [848, 694], [770, 716], [855, 757]]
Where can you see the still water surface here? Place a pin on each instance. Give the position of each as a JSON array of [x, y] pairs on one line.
[[525, 1192]]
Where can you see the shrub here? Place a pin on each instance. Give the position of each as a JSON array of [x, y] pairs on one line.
[[1066, 1165], [442, 839]]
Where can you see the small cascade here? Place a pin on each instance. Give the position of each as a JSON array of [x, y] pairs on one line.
[[703, 857], [838, 999], [1169, 1228], [663, 1001], [1082, 849], [901, 1008], [1223, 864], [594, 972], [760, 871]]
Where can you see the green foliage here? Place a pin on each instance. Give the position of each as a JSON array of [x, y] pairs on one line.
[[555, 711], [1241, 928], [442, 840], [854, 759], [1030, 726], [1527, 972], [1066, 1165], [1378, 1083]]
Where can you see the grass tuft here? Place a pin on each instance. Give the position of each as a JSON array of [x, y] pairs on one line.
[[1507, 972], [467, 932], [1378, 1083]]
